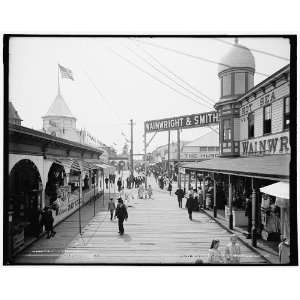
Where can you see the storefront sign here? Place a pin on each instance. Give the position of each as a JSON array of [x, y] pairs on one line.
[[198, 155], [275, 144], [183, 122], [258, 103]]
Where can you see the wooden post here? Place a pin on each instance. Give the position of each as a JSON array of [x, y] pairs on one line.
[[145, 157], [94, 194], [178, 159], [253, 230], [103, 185], [168, 164], [79, 213], [189, 181], [230, 202], [204, 192], [215, 197]]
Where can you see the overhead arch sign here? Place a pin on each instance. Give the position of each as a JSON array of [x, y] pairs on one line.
[[183, 122]]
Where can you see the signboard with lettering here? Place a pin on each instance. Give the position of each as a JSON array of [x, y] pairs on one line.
[[198, 155], [274, 144], [266, 99], [183, 122]]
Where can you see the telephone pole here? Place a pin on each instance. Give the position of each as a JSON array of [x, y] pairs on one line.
[[131, 147]]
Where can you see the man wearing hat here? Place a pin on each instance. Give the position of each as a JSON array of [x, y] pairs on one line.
[[121, 214]]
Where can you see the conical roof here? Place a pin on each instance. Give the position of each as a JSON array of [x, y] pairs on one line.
[[59, 108], [12, 113], [238, 56]]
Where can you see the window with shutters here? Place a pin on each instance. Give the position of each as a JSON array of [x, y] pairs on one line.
[[226, 85], [226, 130], [286, 112], [250, 125], [267, 119]]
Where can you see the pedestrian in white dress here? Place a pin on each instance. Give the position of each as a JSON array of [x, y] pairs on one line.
[[233, 251], [214, 254]]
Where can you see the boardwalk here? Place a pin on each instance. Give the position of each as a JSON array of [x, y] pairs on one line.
[[157, 232]]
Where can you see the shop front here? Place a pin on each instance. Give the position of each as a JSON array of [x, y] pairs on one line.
[[237, 184]]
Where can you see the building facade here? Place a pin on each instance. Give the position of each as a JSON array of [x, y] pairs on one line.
[[255, 150]]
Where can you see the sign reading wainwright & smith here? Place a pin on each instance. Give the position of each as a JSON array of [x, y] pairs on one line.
[[183, 122]]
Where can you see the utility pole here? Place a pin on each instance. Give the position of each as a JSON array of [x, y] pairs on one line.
[[168, 165], [178, 158], [131, 147]]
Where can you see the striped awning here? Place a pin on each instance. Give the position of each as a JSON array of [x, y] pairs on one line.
[[74, 164]]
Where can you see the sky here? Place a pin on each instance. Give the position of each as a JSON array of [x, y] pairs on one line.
[[110, 89]]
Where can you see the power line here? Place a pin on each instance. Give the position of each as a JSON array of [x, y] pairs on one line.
[[166, 75], [175, 75], [253, 50], [102, 96], [191, 55], [155, 78]]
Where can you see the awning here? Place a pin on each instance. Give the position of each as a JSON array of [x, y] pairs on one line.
[[278, 189], [273, 167], [74, 164]]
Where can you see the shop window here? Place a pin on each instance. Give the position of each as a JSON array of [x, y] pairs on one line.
[[286, 117], [226, 85], [226, 130], [267, 119], [240, 83], [250, 81], [250, 125]]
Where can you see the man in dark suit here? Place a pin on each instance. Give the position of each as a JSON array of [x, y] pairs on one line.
[[180, 194], [121, 214], [190, 205]]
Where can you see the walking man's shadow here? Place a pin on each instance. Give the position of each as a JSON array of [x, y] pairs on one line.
[[126, 237]]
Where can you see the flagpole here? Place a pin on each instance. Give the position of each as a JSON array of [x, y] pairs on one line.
[[58, 85]]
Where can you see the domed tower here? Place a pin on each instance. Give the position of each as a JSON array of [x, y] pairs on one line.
[[59, 120], [236, 74]]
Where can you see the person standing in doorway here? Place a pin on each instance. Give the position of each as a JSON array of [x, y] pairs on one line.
[[189, 205], [233, 251], [111, 208], [121, 214], [180, 194]]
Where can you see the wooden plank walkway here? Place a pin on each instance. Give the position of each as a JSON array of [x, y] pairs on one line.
[[157, 232]]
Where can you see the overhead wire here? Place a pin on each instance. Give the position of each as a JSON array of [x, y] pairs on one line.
[[253, 50], [167, 76], [171, 72], [154, 77], [159, 80], [191, 55]]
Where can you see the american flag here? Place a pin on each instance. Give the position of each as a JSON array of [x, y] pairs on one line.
[[66, 73]]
